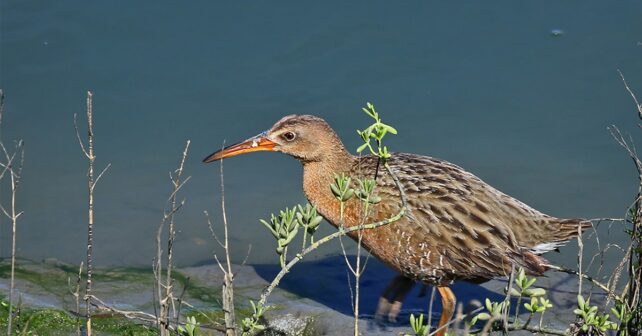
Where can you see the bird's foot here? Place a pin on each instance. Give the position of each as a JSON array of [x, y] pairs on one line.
[[388, 311]]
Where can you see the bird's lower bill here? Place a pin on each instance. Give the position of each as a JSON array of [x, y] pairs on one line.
[[255, 144]]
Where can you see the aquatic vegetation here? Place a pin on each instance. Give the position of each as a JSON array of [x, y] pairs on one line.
[[32, 321]]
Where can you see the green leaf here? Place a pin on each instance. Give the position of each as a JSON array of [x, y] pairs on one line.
[[348, 195], [489, 305], [315, 222], [390, 129], [483, 316], [530, 282], [367, 112], [535, 292], [580, 302], [292, 234], [362, 147], [276, 235], [335, 190]]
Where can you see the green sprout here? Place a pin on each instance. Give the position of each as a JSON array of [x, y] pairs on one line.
[[493, 311], [590, 320], [525, 289], [524, 284], [538, 306], [192, 328], [309, 220], [418, 326], [251, 325], [341, 188], [366, 190], [284, 228], [376, 131], [622, 313]]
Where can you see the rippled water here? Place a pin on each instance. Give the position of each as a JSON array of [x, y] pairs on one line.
[[519, 94]]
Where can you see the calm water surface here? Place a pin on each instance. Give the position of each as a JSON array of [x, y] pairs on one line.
[[519, 94]]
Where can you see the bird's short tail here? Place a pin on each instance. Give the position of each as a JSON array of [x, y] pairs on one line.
[[571, 228], [562, 232]]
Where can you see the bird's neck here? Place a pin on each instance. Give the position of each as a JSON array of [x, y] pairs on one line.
[[317, 178]]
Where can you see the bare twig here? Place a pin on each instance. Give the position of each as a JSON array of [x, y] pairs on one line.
[[228, 275], [180, 300], [635, 100], [211, 227], [227, 289], [15, 174], [430, 303], [134, 315], [602, 286], [76, 295], [164, 287], [634, 253], [88, 151], [580, 254], [506, 309]]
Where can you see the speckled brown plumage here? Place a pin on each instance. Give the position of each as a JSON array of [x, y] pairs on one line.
[[456, 226]]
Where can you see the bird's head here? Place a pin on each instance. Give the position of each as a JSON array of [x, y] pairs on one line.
[[305, 137]]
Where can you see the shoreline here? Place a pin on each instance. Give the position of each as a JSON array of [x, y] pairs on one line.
[[314, 295]]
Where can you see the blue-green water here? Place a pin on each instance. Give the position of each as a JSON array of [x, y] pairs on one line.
[[486, 85]]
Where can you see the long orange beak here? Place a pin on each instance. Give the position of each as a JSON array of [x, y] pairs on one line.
[[256, 144]]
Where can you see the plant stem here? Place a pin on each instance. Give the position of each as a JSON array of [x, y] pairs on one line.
[[90, 223], [519, 303], [305, 237]]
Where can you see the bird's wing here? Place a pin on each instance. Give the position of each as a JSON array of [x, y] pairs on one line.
[[474, 228]]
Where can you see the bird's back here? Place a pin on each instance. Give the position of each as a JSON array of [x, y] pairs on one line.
[[456, 226]]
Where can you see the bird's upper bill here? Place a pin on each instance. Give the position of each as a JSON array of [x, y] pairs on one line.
[[254, 144]]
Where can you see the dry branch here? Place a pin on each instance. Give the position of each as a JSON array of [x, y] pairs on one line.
[[88, 151], [15, 173], [164, 287], [227, 290]]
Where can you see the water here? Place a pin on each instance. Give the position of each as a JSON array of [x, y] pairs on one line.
[[519, 94]]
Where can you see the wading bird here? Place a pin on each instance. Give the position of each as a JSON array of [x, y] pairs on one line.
[[456, 226]]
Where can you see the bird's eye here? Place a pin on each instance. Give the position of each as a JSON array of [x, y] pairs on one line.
[[289, 136]]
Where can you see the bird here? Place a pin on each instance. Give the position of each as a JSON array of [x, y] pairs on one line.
[[456, 226]]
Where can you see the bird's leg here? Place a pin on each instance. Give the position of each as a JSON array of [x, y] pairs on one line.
[[384, 302], [448, 301], [392, 298], [397, 300]]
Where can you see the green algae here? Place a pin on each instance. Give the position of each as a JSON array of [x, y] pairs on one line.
[[53, 278], [209, 295], [47, 321]]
